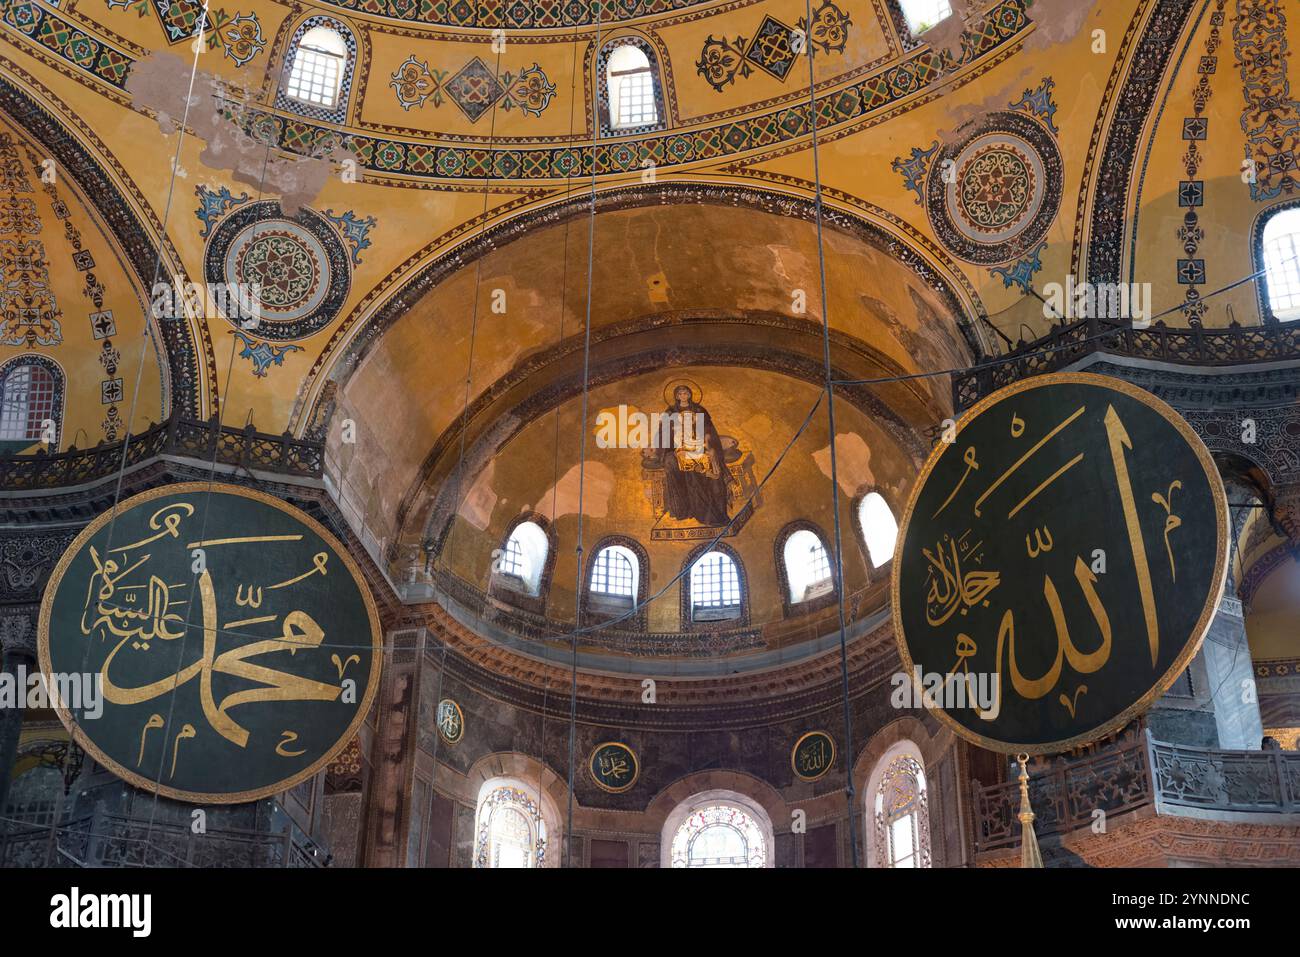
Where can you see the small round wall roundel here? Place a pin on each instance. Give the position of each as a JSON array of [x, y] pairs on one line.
[[299, 267], [1059, 563], [234, 641], [992, 195]]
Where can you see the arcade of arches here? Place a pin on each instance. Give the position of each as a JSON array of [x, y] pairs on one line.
[[546, 303]]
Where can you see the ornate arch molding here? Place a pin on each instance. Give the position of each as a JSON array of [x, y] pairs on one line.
[[312, 415], [669, 342], [184, 384], [1143, 72], [932, 747]]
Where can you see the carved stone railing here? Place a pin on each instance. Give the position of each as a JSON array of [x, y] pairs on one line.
[[188, 438], [1213, 783], [1177, 780], [110, 840], [1115, 780], [1233, 345]]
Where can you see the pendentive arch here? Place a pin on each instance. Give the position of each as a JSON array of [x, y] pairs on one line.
[[189, 368], [358, 333]]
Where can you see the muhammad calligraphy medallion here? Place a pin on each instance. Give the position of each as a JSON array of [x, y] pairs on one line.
[[235, 641], [613, 767], [1060, 561]]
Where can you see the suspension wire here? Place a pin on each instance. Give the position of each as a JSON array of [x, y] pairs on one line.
[[145, 338], [830, 425], [460, 462], [222, 404], [582, 466], [473, 329], [555, 465]]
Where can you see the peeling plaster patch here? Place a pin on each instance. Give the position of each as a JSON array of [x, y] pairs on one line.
[[481, 499], [160, 83], [1056, 23], [947, 33], [852, 462], [562, 499]]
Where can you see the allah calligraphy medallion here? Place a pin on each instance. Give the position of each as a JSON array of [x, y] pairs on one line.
[[613, 767], [812, 755], [1060, 562], [235, 641]]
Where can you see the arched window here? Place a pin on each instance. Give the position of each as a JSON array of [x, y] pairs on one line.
[[899, 809], [630, 96], [31, 395], [523, 560], [320, 60], [878, 527], [921, 15], [718, 829], [715, 588], [510, 830], [316, 74], [615, 573], [1281, 255], [807, 566]]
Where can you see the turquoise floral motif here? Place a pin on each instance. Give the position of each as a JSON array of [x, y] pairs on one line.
[[262, 354], [1039, 103], [355, 231], [914, 168], [212, 206], [1021, 273]]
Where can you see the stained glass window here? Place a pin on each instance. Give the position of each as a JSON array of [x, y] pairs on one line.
[[807, 566], [1282, 264], [510, 831], [719, 835], [902, 816], [879, 528], [317, 70]]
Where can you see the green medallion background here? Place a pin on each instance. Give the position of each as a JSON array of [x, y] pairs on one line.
[[1045, 514], [179, 740]]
